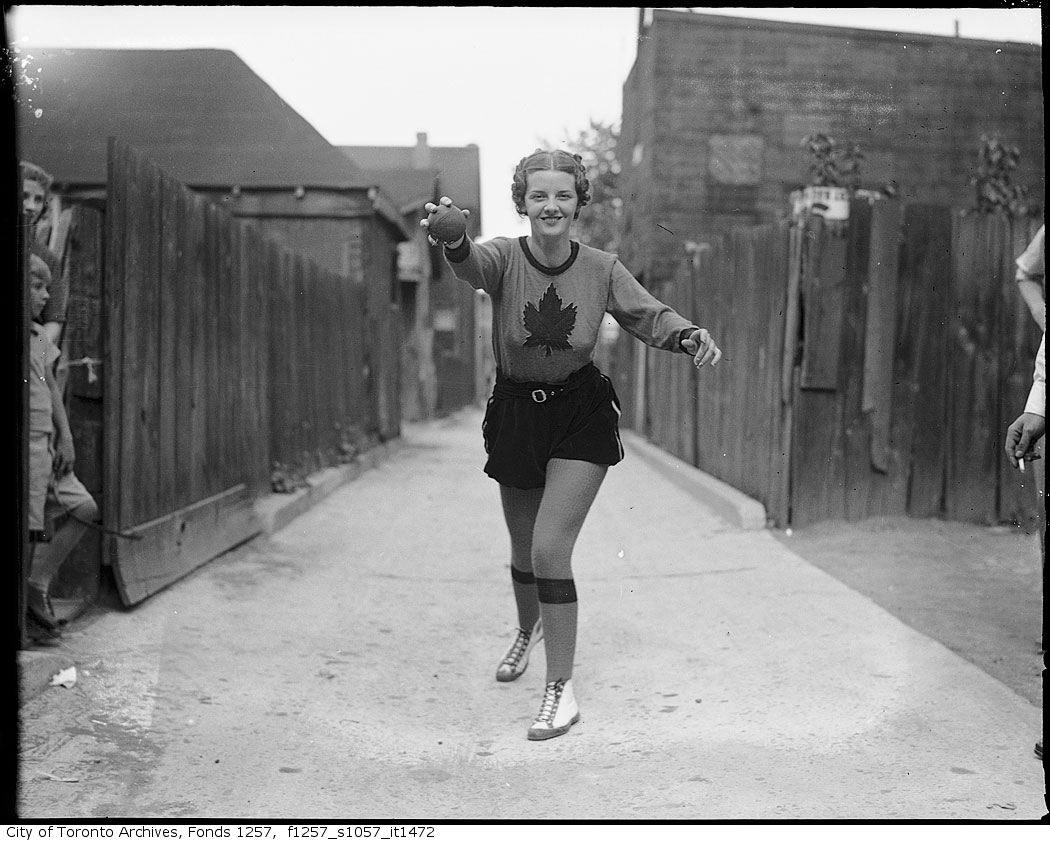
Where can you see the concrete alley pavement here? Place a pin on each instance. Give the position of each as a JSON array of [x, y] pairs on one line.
[[345, 668]]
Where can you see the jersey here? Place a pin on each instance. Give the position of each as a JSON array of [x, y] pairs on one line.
[[546, 321]]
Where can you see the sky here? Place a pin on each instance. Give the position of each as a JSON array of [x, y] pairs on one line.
[[505, 78]]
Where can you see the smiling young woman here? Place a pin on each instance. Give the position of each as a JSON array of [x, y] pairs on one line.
[[551, 427]]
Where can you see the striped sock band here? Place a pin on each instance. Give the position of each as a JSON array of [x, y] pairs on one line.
[[556, 590], [521, 576]]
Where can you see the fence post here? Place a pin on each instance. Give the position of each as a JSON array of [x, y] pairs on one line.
[[781, 511]]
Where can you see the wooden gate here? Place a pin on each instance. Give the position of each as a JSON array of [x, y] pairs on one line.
[[183, 319]]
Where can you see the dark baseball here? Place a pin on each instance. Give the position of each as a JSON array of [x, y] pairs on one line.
[[447, 223]]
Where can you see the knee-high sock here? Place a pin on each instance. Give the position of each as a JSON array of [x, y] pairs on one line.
[[524, 584], [558, 607]]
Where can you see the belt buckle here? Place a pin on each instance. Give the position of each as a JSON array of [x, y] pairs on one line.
[[539, 396]]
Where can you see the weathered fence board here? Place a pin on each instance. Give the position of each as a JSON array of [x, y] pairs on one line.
[[199, 320], [927, 265], [973, 371], [140, 392], [818, 448], [857, 464], [888, 479], [712, 296], [170, 388], [113, 337], [212, 350]]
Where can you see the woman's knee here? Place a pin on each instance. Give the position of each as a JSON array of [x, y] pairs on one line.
[[551, 557]]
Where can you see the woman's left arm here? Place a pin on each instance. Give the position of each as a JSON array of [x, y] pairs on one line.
[[654, 322]]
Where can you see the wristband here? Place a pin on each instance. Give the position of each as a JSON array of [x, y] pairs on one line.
[[459, 253]]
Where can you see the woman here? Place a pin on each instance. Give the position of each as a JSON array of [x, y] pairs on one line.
[[551, 427]]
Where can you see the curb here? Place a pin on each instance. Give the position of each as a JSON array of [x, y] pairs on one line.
[[726, 501], [275, 511]]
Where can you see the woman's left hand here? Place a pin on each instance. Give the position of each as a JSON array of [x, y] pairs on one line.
[[703, 347]]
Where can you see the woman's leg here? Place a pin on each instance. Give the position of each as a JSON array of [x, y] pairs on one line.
[[519, 510], [571, 488]]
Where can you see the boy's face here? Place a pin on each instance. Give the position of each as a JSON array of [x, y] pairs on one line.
[[33, 198], [38, 294]]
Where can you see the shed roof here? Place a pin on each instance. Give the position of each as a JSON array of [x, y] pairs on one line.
[[202, 115], [409, 188], [458, 167]]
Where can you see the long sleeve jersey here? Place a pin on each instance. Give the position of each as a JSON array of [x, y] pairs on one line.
[[545, 321]]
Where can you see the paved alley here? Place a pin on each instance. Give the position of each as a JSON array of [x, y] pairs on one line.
[[344, 667]]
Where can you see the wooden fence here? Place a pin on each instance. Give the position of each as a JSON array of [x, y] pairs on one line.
[[224, 357], [869, 370]]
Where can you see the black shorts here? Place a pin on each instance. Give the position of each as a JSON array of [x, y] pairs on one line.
[[522, 433]]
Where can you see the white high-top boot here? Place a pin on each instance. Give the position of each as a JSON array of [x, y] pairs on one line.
[[558, 712], [516, 659]]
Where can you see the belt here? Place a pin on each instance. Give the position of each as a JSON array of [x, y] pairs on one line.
[[540, 392]]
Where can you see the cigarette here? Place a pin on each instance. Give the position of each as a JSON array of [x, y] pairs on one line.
[[1020, 464]]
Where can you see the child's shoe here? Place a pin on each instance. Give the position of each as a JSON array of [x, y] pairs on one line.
[[516, 659], [558, 712]]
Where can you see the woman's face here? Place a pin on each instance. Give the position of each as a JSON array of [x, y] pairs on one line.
[[550, 202]]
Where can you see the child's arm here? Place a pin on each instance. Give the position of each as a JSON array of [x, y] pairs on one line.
[[64, 453]]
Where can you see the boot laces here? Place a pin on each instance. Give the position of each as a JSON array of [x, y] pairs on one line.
[[517, 649], [551, 697]]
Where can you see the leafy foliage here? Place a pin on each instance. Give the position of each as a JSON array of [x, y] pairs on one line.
[[832, 164], [599, 224], [550, 324], [995, 190]]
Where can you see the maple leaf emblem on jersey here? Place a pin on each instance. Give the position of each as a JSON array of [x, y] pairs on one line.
[[550, 324]]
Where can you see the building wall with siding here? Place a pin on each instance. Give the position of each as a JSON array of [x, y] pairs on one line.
[[720, 106]]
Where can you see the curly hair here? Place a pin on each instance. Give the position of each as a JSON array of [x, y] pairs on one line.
[[547, 160]]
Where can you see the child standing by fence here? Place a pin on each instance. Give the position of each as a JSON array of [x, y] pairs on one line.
[[53, 488], [551, 427]]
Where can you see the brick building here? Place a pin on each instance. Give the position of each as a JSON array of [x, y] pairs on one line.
[[715, 110]]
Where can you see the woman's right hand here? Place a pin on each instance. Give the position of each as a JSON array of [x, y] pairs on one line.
[[431, 208]]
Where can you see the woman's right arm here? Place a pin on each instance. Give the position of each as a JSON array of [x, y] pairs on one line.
[[479, 264]]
